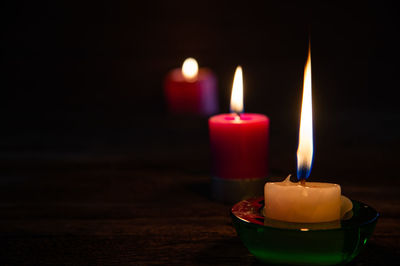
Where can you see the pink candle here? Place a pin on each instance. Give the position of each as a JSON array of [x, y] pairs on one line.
[[191, 90], [239, 146]]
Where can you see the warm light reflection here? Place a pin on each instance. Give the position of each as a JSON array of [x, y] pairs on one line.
[[237, 92], [190, 68], [305, 149]]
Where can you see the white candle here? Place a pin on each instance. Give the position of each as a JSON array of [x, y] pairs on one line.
[[304, 202], [311, 202]]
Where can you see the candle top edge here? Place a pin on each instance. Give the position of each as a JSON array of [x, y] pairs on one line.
[[245, 118], [319, 185], [177, 76]]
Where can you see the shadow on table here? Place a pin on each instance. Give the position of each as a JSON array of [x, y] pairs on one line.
[[229, 251], [375, 254], [201, 188]]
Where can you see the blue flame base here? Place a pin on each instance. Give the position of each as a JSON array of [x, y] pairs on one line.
[[303, 172]]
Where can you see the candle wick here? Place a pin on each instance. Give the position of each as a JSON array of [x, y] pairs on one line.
[[303, 182]]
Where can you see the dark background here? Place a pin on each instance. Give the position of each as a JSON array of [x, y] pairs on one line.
[[81, 91], [82, 69], [87, 76]]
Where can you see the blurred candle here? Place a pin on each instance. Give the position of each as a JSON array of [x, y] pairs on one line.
[[239, 146], [190, 90], [303, 202]]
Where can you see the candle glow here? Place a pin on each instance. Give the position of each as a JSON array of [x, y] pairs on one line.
[[239, 146], [304, 202], [237, 92], [305, 148], [190, 69]]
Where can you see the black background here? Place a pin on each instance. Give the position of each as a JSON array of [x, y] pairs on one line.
[[87, 76]]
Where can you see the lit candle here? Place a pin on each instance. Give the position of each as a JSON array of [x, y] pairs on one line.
[[239, 146], [304, 202], [190, 90]]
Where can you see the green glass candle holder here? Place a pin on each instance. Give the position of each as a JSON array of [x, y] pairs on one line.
[[279, 242]]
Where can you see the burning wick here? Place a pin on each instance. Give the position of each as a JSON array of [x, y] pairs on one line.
[[305, 148], [305, 202], [237, 93], [190, 69]]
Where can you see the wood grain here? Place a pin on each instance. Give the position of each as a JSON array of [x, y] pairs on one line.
[[68, 214]]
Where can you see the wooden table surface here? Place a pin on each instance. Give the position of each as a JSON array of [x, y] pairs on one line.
[[134, 205]]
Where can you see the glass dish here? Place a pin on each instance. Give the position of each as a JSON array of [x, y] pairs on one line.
[[279, 242]]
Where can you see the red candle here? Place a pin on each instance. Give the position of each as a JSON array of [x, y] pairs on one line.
[[239, 146], [191, 90]]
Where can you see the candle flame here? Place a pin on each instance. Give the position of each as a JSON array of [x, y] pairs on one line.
[[237, 92], [305, 149], [190, 68]]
